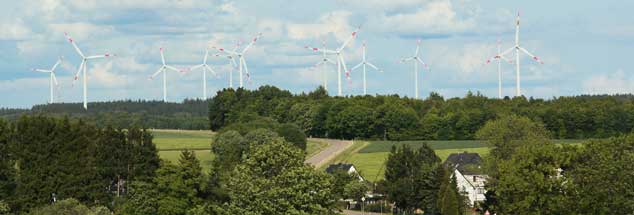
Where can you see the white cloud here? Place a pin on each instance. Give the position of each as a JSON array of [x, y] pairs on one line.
[[436, 17], [336, 22], [14, 30], [617, 82]]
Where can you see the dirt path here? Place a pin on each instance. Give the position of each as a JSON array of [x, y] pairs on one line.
[[335, 147]]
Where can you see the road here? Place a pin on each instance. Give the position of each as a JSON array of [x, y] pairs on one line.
[[335, 147]]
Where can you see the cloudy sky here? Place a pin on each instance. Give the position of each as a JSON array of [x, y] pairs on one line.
[[586, 45]]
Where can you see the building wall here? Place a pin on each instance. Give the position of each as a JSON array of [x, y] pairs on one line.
[[472, 185]]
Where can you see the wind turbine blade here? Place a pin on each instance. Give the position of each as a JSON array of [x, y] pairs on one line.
[[506, 59], [162, 57], [226, 51], [98, 56], [246, 69], [357, 66], [507, 51], [343, 63], [196, 67], [533, 56], [205, 58], [211, 70], [407, 59], [352, 36], [173, 68], [41, 70], [54, 79], [81, 66], [157, 72], [56, 64], [74, 45], [251, 43], [331, 61], [373, 66], [417, 48], [421, 61]]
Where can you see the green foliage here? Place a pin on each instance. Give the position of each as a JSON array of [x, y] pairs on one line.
[[7, 164], [142, 198], [355, 190], [450, 201], [4, 208], [413, 178], [272, 179], [70, 207], [602, 176], [290, 132], [507, 133], [341, 178], [434, 118]]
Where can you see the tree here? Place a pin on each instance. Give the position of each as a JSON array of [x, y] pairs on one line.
[[355, 190], [509, 132], [7, 164], [142, 198], [530, 183], [601, 176], [450, 200], [413, 178], [272, 179]]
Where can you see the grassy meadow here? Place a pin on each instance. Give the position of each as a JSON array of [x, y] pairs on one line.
[[170, 143]]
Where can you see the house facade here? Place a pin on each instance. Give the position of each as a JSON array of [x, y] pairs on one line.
[[469, 175]]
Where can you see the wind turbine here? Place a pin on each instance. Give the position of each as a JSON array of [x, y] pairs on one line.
[[83, 65], [205, 68], [163, 70], [499, 58], [232, 63], [53, 79], [323, 62], [519, 48], [416, 60], [341, 63], [363, 63], [242, 64]]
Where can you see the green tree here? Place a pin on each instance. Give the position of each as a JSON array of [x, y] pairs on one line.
[[412, 178], [530, 182], [142, 199], [7, 164], [602, 176], [508, 132], [274, 180]]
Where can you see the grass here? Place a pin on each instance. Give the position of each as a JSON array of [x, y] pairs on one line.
[[177, 140], [314, 147], [386, 146], [204, 156]]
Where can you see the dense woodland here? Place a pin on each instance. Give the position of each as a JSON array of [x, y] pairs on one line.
[[190, 114], [434, 118]]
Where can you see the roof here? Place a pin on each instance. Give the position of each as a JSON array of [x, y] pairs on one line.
[[467, 163], [338, 166]]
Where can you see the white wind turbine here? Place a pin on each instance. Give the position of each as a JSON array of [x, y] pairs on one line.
[[205, 68], [341, 63], [242, 64], [323, 64], [518, 48], [363, 63], [499, 58], [163, 70], [232, 63], [53, 79], [83, 65], [416, 60]]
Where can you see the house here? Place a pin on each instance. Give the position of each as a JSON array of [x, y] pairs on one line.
[[469, 175], [349, 168]]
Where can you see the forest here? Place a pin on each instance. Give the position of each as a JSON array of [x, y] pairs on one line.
[[191, 114], [393, 117]]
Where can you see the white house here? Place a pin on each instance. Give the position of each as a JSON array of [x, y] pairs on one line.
[[349, 168], [468, 173]]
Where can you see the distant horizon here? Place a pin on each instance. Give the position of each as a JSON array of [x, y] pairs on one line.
[[424, 97]]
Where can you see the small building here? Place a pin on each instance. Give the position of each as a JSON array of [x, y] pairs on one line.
[[469, 175], [346, 167]]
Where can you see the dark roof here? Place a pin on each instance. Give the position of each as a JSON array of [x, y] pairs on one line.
[[338, 166], [467, 163]]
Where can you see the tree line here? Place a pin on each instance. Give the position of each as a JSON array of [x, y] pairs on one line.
[[434, 118], [191, 114]]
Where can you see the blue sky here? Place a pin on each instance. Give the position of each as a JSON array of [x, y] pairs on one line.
[[585, 45]]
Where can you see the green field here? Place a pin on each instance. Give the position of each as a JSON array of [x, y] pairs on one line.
[[204, 156], [170, 143], [369, 157], [181, 139]]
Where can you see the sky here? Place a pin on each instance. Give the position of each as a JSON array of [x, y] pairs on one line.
[[585, 46]]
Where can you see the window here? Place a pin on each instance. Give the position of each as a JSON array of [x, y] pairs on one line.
[[474, 178], [480, 190]]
